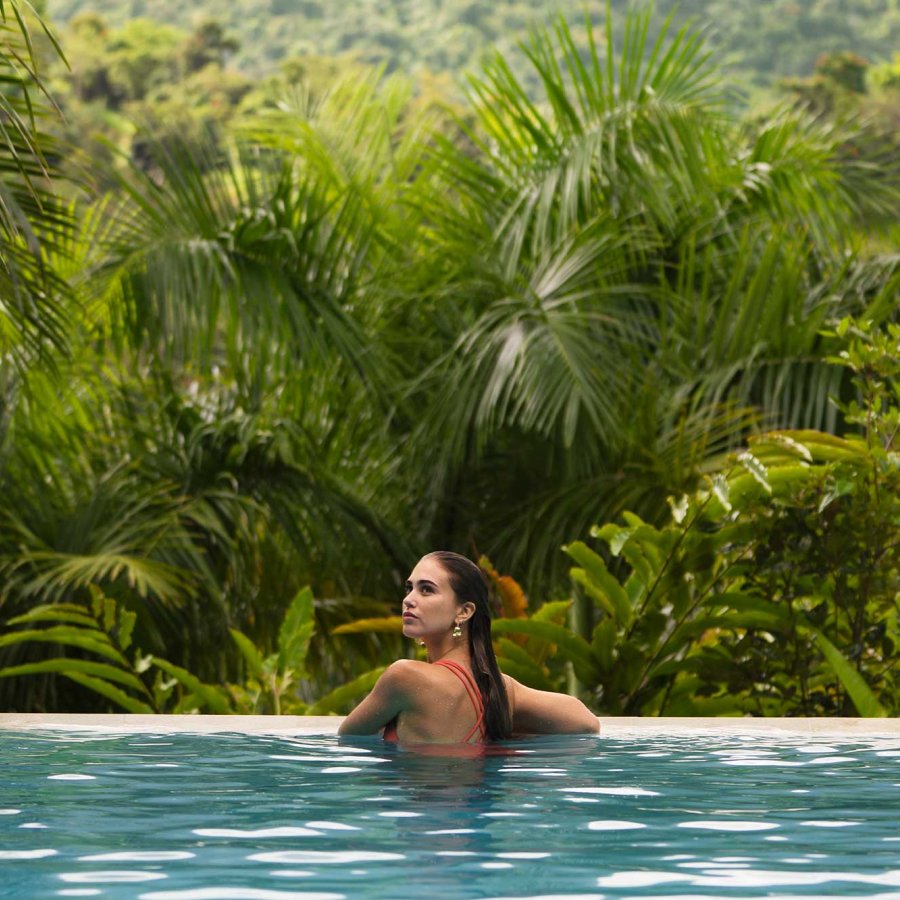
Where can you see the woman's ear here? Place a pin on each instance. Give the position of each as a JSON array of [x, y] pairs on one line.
[[466, 611]]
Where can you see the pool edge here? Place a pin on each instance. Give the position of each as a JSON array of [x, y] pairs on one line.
[[610, 725]]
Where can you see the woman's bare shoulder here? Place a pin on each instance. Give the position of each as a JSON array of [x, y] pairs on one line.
[[547, 711], [406, 671]]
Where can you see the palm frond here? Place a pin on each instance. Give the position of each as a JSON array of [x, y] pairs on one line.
[[33, 314], [216, 251]]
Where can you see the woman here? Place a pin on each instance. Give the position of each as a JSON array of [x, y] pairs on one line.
[[459, 695]]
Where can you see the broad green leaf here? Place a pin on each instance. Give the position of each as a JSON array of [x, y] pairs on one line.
[[683, 701], [614, 535], [556, 611], [599, 576], [576, 649], [864, 700], [527, 674], [592, 589], [824, 446], [296, 632], [249, 652], [688, 632], [789, 478], [110, 609], [603, 642], [343, 696], [515, 661], [783, 442]]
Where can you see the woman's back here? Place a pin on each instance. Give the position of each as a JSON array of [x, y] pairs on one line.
[[446, 705]]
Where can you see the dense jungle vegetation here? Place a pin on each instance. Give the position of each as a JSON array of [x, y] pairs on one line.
[[265, 341], [759, 41]]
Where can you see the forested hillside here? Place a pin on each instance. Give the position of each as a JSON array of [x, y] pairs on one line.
[[763, 39]]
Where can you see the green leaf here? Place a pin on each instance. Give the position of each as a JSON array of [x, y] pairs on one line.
[[824, 446], [555, 611], [249, 652], [742, 602], [864, 700], [756, 469], [529, 675], [515, 661], [53, 613], [127, 621], [296, 631], [381, 625], [340, 698], [686, 633], [111, 692], [603, 642], [574, 648], [92, 640], [204, 694], [598, 581], [63, 666], [614, 535], [600, 597], [782, 441]]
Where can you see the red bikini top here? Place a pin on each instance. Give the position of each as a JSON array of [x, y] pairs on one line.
[[474, 696]]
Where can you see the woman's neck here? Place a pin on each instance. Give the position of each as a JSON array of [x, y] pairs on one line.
[[455, 650]]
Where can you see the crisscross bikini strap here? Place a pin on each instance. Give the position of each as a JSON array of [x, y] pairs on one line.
[[471, 689]]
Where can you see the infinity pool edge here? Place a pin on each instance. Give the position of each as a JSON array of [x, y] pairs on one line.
[[610, 726]]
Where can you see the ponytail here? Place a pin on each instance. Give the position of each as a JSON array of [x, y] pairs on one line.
[[470, 584]]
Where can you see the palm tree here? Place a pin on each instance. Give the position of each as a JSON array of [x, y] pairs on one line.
[[636, 279], [224, 419]]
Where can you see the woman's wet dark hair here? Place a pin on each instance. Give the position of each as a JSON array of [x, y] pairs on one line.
[[470, 584]]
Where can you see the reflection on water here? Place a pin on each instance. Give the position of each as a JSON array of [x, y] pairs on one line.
[[195, 817]]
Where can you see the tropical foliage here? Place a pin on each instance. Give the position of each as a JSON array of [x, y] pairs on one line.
[[761, 40], [353, 328], [150, 684], [33, 221], [772, 590]]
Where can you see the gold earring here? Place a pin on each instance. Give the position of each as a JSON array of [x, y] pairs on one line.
[[457, 631]]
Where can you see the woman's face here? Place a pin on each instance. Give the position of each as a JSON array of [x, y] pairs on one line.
[[430, 605]]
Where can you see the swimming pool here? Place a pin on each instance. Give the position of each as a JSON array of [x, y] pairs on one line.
[[641, 813]]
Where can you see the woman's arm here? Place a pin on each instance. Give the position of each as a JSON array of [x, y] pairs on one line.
[[388, 698], [546, 712]]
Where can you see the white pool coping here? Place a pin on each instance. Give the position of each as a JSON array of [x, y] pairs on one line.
[[311, 725]]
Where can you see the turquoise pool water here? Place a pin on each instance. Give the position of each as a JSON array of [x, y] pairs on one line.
[[158, 816]]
